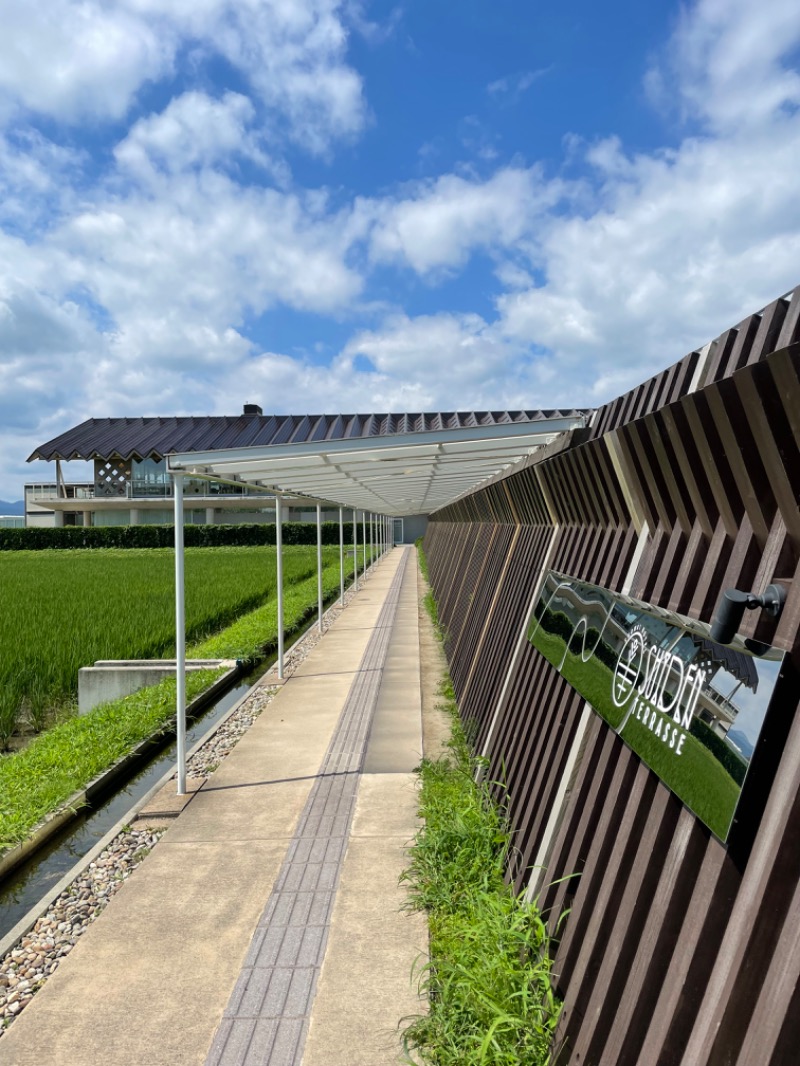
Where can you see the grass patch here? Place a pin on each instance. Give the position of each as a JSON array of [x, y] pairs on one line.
[[256, 632], [489, 976], [38, 780], [428, 600]]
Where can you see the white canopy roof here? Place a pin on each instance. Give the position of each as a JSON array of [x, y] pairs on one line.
[[398, 474]]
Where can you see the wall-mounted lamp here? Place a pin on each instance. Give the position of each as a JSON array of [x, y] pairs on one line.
[[734, 603]]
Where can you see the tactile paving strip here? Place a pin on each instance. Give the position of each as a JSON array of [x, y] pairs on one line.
[[266, 1020]]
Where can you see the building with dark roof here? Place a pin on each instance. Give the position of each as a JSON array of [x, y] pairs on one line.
[[130, 482]]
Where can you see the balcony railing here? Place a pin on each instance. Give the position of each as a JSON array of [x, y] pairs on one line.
[[52, 491], [138, 490]]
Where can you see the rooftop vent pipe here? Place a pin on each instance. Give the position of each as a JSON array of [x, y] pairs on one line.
[[252, 409]]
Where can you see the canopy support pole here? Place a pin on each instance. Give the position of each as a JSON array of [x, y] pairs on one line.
[[364, 539], [341, 555], [355, 549], [180, 636], [319, 566], [279, 554]]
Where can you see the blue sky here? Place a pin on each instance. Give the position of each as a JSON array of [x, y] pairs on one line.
[[319, 205]]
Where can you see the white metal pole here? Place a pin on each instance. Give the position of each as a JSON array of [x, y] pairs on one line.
[[371, 537], [319, 566], [355, 550], [341, 555], [180, 636], [364, 539], [279, 554]]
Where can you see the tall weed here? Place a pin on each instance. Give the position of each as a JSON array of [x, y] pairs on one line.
[[488, 980]]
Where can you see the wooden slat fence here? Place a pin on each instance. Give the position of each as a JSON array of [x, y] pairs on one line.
[[677, 950]]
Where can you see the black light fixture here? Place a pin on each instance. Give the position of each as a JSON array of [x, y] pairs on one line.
[[734, 603]]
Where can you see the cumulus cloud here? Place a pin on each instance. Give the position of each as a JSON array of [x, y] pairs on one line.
[[294, 55], [730, 62], [38, 178], [442, 222], [194, 129], [82, 59], [206, 247], [455, 361], [43, 342], [678, 243], [72, 60]]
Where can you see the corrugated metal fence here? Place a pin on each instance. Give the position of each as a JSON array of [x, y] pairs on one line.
[[676, 950]]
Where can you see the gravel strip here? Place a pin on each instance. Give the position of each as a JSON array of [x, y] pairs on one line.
[[26, 967]]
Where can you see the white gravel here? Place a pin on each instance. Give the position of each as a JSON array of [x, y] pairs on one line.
[[26, 967]]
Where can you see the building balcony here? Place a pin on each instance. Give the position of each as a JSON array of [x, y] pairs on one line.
[[87, 496]]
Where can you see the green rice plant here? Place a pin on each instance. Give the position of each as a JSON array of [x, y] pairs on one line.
[[60, 610], [256, 632], [489, 976], [9, 712]]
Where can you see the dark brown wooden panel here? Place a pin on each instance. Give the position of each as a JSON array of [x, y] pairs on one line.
[[676, 951]]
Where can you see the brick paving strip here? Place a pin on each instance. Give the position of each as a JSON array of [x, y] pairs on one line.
[[266, 1020]]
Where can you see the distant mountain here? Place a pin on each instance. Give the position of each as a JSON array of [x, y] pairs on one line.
[[741, 742], [12, 508]]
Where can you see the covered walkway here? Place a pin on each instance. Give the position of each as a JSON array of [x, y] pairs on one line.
[[267, 925]]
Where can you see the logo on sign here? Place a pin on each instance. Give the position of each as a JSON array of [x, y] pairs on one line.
[[665, 690]]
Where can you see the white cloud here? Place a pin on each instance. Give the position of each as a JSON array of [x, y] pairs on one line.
[[43, 343], [293, 52], [204, 247], [441, 223], [38, 178], [453, 361], [79, 59], [729, 61], [512, 86], [679, 246], [70, 59], [193, 130]]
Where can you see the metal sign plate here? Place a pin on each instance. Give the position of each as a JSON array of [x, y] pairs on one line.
[[691, 709]]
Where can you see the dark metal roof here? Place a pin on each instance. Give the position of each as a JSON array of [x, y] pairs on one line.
[[741, 666], [140, 438]]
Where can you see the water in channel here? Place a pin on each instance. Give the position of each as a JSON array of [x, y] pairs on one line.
[[26, 886]]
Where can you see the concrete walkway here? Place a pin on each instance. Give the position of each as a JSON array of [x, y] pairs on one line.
[[266, 927]]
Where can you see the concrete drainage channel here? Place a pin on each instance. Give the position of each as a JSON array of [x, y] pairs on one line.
[[49, 902], [107, 800]]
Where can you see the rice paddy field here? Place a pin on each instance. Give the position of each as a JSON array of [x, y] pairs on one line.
[[60, 610]]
